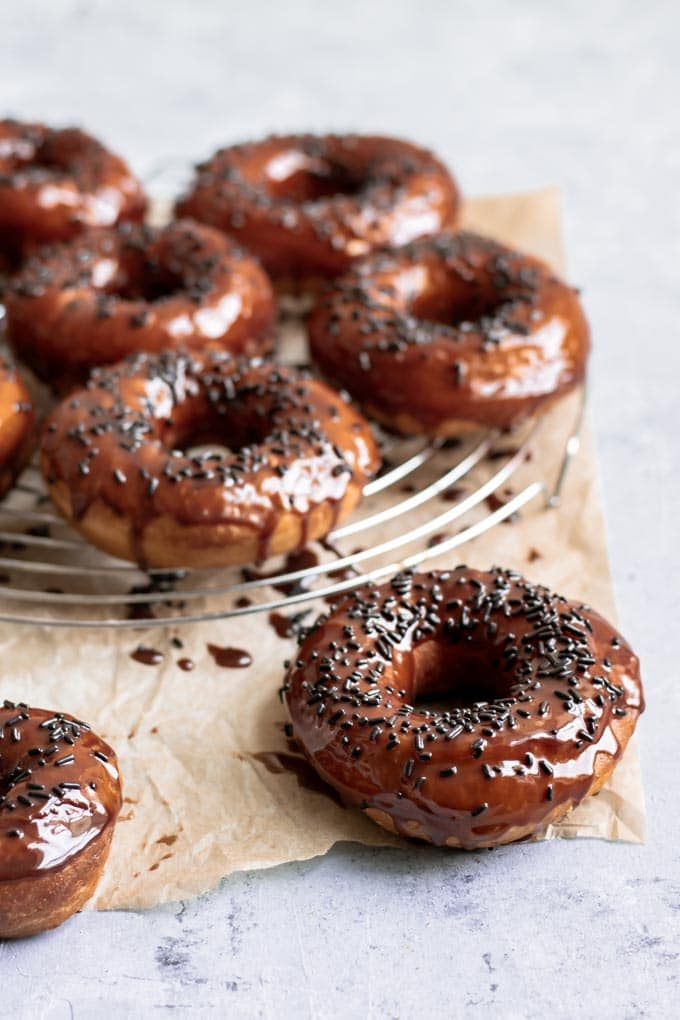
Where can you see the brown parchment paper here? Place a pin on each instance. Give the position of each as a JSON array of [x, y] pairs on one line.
[[198, 804]]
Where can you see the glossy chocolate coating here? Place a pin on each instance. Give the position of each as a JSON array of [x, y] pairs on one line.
[[59, 790], [449, 332], [55, 182], [112, 456], [109, 293], [17, 425], [540, 698], [309, 205]]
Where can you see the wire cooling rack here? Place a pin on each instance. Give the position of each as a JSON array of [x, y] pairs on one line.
[[49, 575]]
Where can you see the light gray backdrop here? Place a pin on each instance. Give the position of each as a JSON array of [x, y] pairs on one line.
[[513, 95]]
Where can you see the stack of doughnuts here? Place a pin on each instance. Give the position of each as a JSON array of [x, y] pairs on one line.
[[160, 341]]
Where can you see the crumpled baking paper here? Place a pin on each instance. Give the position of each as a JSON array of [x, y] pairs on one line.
[[208, 787]]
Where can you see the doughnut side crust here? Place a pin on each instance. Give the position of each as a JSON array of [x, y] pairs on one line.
[[168, 542], [44, 901]]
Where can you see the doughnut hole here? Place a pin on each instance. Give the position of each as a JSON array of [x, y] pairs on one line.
[[462, 674], [136, 277], [153, 282], [49, 154], [295, 176], [197, 426], [431, 292], [54, 154]]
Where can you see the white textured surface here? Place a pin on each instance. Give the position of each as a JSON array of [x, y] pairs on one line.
[[513, 95]]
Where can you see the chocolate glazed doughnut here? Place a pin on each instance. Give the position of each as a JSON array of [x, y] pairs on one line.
[[55, 182], [109, 293], [17, 425], [541, 697], [309, 205], [60, 794], [451, 333], [113, 461]]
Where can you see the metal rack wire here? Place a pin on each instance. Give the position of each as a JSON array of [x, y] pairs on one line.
[[49, 575]]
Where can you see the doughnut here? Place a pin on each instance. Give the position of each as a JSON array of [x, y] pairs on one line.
[[309, 205], [449, 334], [54, 182], [60, 794], [465, 708], [117, 458], [17, 425], [108, 293]]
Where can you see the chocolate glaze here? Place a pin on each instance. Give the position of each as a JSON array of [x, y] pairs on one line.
[[502, 453], [330, 547], [309, 205], [450, 331], [157, 583], [294, 762], [108, 293], [186, 664], [55, 182], [300, 559], [230, 658], [288, 626], [59, 789], [340, 574], [495, 501], [452, 494], [147, 656], [140, 611], [343, 573], [17, 425], [113, 464], [541, 696]]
